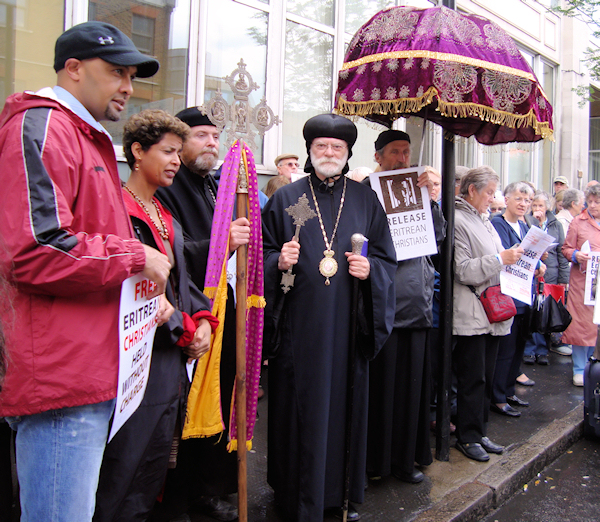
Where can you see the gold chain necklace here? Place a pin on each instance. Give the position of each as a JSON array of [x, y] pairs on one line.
[[164, 232], [328, 266]]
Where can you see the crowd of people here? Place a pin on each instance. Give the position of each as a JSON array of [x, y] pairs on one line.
[[351, 342]]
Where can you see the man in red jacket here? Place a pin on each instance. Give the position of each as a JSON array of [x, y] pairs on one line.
[[67, 246]]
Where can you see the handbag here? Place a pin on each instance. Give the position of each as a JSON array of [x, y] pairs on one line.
[[549, 314], [498, 306]]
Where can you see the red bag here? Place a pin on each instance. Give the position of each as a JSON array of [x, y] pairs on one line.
[[556, 291], [498, 306]]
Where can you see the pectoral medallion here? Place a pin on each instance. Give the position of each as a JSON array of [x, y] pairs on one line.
[[328, 266]]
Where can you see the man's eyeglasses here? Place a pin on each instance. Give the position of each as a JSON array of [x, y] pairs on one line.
[[322, 147]]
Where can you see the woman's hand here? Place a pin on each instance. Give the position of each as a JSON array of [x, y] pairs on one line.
[[201, 342], [165, 310], [541, 270], [511, 255], [582, 257]]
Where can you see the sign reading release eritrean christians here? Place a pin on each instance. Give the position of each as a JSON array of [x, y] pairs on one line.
[[137, 325], [517, 280], [408, 211]]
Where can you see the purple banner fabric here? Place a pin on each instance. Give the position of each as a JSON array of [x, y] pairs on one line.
[[240, 160], [460, 71]]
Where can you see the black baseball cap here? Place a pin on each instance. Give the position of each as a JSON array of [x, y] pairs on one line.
[[102, 40]]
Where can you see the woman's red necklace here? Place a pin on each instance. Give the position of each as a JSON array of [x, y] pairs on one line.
[[162, 230]]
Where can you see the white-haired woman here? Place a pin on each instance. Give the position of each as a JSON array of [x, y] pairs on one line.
[[511, 228], [478, 259], [572, 203]]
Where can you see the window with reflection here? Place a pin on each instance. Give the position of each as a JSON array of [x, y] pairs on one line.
[[519, 163], [307, 81], [594, 163], [546, 151], [492, 157], [321, 11], [359, 12], [28, 31], [159, 28], [466, 151], [230, 39]]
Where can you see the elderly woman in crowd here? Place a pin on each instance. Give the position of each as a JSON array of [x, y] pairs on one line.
[[557, 269], [582, 332], [136, 459], [511, 228], [478, 258], [572, 205]]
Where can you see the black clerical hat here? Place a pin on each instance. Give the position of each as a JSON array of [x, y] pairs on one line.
[[193, 117], [388, 136], [329, 126]]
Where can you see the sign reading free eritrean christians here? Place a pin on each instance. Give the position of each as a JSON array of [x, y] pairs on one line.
[[408, 211], [137, 325]]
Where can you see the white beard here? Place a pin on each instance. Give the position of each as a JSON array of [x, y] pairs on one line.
[[328, 167], [204, 164]]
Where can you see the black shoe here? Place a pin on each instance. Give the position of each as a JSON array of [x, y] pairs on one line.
[[473, 450], [507, 409], [353, 515], [216, 508], [543, 360], [528, 382], [529, 359], [516, 401], [491, 447], [412, 478]]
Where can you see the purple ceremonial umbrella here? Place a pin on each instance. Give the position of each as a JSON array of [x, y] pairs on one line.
[[460, 71]]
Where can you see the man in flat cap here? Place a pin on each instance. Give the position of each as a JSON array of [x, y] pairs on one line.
[[560, 183], [309, 326], [206, 472], [399, 380], [67, 250], [287, 164]]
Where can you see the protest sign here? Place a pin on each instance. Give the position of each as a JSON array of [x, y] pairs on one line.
[[408, 211], [516, 280], [591, 277], [137, 325]]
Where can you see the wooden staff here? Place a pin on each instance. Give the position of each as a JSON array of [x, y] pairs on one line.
[[240, 347], [357, 244]]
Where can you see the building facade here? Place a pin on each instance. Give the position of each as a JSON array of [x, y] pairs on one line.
[[293, 50]]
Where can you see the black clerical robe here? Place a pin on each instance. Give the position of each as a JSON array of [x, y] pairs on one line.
[[204, 466], [308, 372], [399, 387]]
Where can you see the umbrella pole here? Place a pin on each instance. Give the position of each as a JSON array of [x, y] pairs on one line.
[[240, 351], [442, 439]]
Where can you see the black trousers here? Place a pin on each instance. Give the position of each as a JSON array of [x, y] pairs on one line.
[[473, 359], [508, 362]]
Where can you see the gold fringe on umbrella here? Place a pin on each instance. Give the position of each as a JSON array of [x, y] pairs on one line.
[[402, 106]]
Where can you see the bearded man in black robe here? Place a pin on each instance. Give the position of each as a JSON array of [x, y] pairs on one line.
[[205, 470], [308, 328]]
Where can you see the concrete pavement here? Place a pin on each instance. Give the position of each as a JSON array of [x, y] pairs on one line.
[[461, 489]]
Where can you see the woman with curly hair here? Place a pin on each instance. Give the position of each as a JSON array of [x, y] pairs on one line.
[[136, 460]]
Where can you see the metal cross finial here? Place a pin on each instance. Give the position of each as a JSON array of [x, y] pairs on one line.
[[301, 213], [246, 122]]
